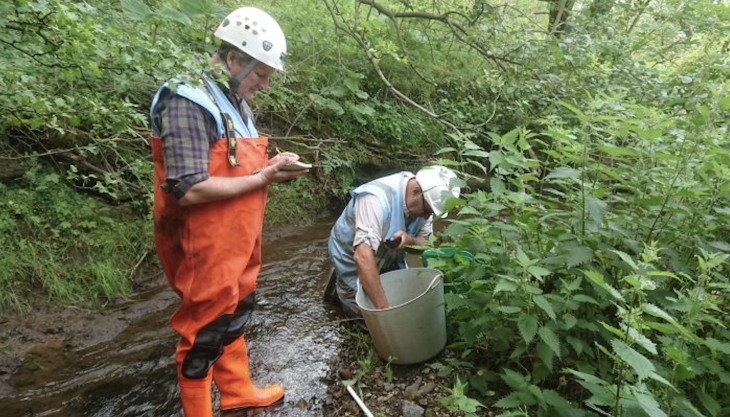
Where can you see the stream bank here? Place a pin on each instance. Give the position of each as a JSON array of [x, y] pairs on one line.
[[119, 362]]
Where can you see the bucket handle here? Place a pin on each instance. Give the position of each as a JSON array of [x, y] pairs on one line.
[[434, 282]]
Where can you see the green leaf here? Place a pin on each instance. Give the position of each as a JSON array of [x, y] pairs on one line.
[[579, 255], [710, 404], [136, 10], [617, 150], [545, 305], [569, 321], [582, 117], [195, 8], [515, 380], [527, 326], [597, 279], [582, 298], [497, 186], [166, 12], [641, 365], [642, 340], [564, 172], [718, 345], [550, 339], [511, 401], [478, 153], [505, 286], [509, 309], [496, 158], [627, 258], [657, 312], [546, 354], [596, 209], [538, 271], [328, 104], [648, 403], [662, 380], [724, 102]]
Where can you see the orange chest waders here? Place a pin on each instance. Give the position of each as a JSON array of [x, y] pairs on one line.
[[211, 254]]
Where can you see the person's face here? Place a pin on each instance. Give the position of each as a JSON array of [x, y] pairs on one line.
[[426, 211], [257, 79]]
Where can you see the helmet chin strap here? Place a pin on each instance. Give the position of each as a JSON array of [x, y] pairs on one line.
[[234, 82]]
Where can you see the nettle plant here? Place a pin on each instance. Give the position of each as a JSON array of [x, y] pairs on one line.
[[599, 283]]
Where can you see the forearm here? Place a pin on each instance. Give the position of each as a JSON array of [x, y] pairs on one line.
[[408, 240], [220, 188], [370, 276]]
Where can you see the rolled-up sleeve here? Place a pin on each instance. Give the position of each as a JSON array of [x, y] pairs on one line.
[[368, 221], [186, 133], [426, 228]]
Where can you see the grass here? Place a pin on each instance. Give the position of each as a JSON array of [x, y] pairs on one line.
[[65, 247]]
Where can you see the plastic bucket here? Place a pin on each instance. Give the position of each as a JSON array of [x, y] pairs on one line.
[[413, 329]]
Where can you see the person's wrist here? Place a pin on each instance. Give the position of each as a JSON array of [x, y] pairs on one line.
[[262, 178]]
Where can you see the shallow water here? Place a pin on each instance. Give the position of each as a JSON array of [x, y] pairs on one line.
[[291, 336]]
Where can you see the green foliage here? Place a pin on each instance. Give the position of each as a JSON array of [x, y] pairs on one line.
[[459, 402], [596, 263], [293, 202], [63, 245]]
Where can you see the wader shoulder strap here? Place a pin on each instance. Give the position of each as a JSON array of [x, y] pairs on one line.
[[229, 128]]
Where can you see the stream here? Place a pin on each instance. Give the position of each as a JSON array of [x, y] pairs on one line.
[[290, 338]]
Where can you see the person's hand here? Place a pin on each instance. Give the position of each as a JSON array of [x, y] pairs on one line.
[[405, 240], [274, 173]]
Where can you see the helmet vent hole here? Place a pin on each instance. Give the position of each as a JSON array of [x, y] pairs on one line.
[[239, 23], [226, 23], [243, 43], [255, 32], [247, 27], [255, 23]]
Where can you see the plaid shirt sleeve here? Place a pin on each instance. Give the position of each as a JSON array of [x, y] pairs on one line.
[[186, 131]]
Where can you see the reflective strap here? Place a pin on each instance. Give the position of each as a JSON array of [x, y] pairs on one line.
[[230, 129], [232, 142]]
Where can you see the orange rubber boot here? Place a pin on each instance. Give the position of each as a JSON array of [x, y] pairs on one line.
[[195, 396], [233, 380]]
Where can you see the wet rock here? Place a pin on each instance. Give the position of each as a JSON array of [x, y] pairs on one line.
[[411, 392], [345, 373], [430, 413], [352, 407], [410, 409], [426, 389]]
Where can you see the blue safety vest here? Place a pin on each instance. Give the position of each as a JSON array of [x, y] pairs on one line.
[[389, 192], [201, 96]]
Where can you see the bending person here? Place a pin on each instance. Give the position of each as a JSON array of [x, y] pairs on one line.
[[211, 174], [398, 208]]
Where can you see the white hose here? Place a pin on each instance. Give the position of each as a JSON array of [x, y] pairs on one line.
[[359, 402]]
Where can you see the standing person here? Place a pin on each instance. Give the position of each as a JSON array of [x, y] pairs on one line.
[[211, 174], [395, 211]]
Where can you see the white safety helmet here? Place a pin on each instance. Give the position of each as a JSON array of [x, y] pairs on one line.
[[256, 33], [435, 182]]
